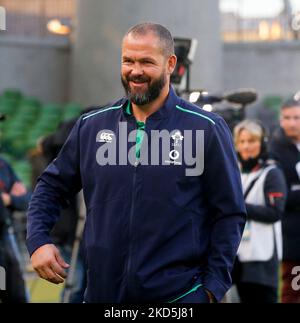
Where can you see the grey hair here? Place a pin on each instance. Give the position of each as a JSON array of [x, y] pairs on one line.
[[162, 33]]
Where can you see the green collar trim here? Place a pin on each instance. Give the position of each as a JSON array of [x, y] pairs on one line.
[[128, 108], [195, 113]]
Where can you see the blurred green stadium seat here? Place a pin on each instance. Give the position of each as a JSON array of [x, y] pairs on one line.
[[273, 102], [13, 94], [27, 120]]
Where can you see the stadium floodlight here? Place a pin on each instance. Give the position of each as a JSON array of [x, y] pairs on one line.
[[55, 26]]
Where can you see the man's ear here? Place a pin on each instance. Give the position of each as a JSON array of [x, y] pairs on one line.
[[172, 61]]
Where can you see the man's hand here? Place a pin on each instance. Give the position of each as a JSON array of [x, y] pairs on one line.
[[49, 264]]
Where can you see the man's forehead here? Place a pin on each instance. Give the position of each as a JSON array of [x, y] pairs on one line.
[[147, 45]]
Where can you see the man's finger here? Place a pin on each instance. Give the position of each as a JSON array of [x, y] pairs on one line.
[[41, 273], [46, 276], [52, 276], [60, 260], [58, 269]]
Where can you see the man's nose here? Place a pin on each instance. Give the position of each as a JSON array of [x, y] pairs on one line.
[[137, 70]]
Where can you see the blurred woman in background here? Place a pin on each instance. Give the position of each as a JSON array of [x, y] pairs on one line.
[[257, 264]]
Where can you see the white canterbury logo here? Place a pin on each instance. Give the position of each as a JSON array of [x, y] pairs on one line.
[[106, 137]]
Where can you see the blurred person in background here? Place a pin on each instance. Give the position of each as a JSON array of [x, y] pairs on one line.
[[13, 197], [256, 269], [285, 147]]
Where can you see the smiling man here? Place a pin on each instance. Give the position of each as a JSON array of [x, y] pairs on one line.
[[148, 60], [153, 233]]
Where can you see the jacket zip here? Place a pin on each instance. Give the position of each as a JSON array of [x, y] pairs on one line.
[[130, 280], [129, 261]]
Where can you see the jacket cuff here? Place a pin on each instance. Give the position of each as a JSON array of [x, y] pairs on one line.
[[36, 242], [215, 287]]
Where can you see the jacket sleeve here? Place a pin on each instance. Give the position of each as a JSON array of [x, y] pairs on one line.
[[275, 197], [223, 192], [58, 183]]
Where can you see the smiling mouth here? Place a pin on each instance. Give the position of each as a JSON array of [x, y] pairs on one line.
[[138, 83]]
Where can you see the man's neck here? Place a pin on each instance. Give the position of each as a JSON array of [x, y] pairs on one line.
[[141, 113]]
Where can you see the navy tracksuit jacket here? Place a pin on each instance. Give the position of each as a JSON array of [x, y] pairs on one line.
[[152, 233]]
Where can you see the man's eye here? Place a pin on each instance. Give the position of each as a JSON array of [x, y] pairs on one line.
[[146, 62]]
